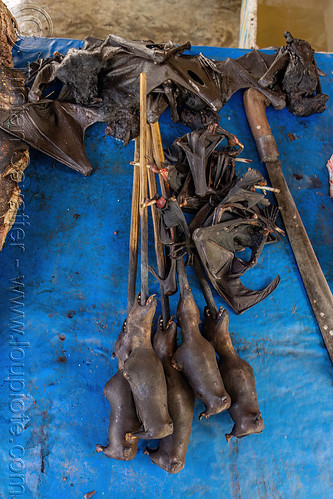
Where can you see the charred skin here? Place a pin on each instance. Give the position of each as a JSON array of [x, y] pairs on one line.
[[238, 378], [196, 359], [171, 453], [144, 372], [123, 419]]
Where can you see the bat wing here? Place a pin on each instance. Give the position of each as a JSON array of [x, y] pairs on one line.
[[198, 146], [45, 126], [235, 77], [217, 246]]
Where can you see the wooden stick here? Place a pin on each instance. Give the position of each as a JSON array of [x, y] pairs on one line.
[[158, 244], [137, 163], [134, 231], [143, 188], [159, 158], [265, 188]]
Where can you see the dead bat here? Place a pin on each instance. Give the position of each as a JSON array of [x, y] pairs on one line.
[[295, 70], [171, 453], [237, 223], [45, 125], [172, 217], [123, 419], [195, 358], [211, 171], [237, 375], [103, 77], [143, 370], [198, 146], [234, 77], [121, 61], [241, 200], [217, 246]]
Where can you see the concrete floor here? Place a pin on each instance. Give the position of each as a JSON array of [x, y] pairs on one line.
[[311, 20], [214, 22]]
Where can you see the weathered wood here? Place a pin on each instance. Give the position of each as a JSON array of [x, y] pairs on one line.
[[134, 230], [143, 188], [159, 252], [158, 155]]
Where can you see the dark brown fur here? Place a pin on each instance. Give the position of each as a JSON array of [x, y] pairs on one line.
[[238, 378], [144, 372], [197, 360], [172, 449], [123, 419]]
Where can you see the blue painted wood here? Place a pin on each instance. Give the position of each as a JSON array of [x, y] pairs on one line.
[[64, 296]]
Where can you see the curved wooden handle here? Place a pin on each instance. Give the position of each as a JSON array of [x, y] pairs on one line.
[[255, 107]]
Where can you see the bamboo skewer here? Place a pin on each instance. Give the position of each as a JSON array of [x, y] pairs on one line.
[[137, 163], [134, 231], [158, 244], [264, 188], [159, 158], [143, 188]]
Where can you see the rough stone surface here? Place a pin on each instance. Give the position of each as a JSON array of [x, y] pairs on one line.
[[212, 23]]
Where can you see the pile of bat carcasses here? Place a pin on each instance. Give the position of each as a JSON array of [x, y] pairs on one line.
[[153, 393]]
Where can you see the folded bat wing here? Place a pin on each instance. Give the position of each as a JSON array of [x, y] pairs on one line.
[[55, 128]]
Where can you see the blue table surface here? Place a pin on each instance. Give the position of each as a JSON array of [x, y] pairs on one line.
[[64, 297]]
